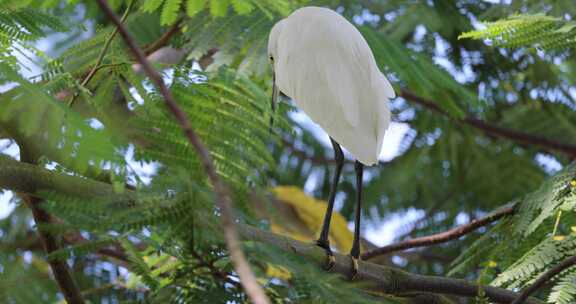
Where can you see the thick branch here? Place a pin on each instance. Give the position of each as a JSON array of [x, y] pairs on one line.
[[382, 278], [60, 269], [492, 130], [22, 177], [247, 278], [440, 237], [545, 278]]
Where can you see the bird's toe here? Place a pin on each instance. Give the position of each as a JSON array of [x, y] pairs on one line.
[[354, 271], [330, 259]]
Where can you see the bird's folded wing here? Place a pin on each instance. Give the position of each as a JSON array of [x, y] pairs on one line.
[[339, 78]]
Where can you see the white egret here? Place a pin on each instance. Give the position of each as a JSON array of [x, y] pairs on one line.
[[322, 62]]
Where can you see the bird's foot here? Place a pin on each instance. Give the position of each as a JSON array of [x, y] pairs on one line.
[[354, 271], [330, 259]]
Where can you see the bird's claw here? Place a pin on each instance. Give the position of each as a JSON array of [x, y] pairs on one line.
[[330, 259], [354, 271]]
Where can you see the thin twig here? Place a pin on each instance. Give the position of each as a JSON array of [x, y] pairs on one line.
[[115, 250], [100, 58], [115, 285], [567, 263], [440, 237], [247, 277], [216, 273], [163, 40], [497, 131], [429, 214], [318, 160]]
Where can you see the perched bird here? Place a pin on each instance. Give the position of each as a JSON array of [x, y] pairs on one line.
[[322, 62]]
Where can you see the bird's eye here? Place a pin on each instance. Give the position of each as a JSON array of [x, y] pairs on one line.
[[271, 58]]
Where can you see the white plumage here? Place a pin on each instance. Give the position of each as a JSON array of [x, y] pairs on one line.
[[324, 64]]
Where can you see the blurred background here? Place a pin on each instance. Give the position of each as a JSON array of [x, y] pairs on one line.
[[475, 124]]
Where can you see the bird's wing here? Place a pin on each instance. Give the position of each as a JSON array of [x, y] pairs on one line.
[[387, 88], [324, 62], [326, 73], [339, 75]]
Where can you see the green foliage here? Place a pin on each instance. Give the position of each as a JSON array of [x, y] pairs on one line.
[[420, 74], [19, 28], [241, 41], [66, 132], [538, 31], [530, 234], [218, 8], [163, 223], [564, 291]]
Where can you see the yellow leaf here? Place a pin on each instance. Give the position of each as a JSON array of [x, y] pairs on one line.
[[303, 223], [277, 271], [311, 212], [559, 238], [279, 229], [492, 264], [40, 264], [573, 183], [573, 228]]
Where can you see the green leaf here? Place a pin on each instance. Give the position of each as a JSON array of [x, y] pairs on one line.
[[193, 7], [151, 6], [219, 8], [170, 12], [242, 7]]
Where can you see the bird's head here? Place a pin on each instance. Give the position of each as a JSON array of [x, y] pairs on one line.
[[273, 40], [273, 54]]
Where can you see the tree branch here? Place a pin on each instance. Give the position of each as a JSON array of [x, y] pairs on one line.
[[440, 237], [567, 263], [318, 160], [382, 278], [492, 130], [215, 272], [60, 269], [28, 178], [163, 40], [247, 278], [100, 58], [115, 251]]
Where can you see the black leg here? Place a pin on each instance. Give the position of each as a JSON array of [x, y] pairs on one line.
[[339, 157], [355, 251], [275, 92]]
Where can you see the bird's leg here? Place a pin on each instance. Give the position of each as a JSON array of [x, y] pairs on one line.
[[275, 93], [323, 240], [355, 251]]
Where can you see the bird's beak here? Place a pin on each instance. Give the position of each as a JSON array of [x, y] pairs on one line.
[[273, 102]]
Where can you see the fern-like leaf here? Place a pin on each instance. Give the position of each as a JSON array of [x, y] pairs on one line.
[[537, 31]]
